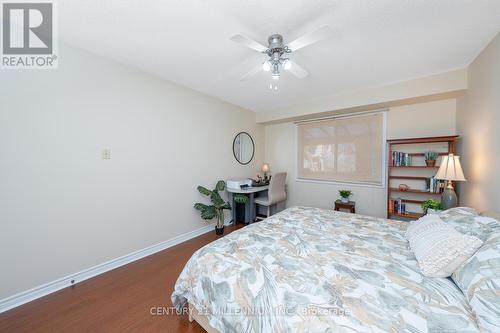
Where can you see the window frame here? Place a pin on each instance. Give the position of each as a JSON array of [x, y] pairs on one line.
[[382, 185]]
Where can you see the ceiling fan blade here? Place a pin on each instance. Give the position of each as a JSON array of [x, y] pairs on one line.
[[297, 70], [248, 42], [251, 73], [311, 38]]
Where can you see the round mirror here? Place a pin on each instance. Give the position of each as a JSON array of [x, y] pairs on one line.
[[243, 148]]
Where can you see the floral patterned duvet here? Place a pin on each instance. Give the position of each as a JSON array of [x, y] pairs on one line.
[[315, 270]]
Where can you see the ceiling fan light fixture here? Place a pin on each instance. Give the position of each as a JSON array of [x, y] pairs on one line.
[[266, 66], [277, 50], [287, 64]]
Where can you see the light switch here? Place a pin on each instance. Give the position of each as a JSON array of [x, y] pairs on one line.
[[106, 154]]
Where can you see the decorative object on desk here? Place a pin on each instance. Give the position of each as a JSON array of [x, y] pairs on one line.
[[243, 148], [431, 206], [345, 194], [260, 181], [430, 158], [216, 210], [265, 170], [403, 187], [450, 170]]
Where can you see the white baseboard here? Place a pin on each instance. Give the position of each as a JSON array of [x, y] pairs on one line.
[[47, 288]]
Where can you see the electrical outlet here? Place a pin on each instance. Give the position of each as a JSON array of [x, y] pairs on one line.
[[106, 154]]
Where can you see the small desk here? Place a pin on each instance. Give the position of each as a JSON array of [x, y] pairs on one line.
[[250, 213], [351, 206]]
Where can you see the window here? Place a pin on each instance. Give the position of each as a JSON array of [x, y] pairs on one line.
[[347, 149]]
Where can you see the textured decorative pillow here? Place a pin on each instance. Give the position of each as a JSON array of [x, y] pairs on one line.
[[460, 211], [492, 214], [438, 247], [479, 280], [467, 221]]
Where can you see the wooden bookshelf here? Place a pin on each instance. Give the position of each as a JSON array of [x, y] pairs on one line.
[[407, 215], [417, 173], [415, 167], [408, 177], [394, 189]]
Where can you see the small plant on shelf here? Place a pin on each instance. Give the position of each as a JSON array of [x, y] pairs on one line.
[[430, 158], [216, 209], [431, 205], [344, 195]]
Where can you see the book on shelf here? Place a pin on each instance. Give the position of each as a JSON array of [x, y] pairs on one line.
[[397, 206], [401, 159], [435, 185]]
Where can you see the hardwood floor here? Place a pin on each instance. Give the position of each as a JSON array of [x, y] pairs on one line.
[[118, 301]]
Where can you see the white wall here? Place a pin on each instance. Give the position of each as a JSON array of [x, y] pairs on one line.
[[478, 120], [418, 120], [378, 97], [422, 120], [62, 207]]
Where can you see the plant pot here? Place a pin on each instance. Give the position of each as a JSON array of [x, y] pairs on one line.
[[430, 163], [219, 231], [344, 200]]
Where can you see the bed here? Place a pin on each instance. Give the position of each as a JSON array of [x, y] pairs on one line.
[[315, 270]]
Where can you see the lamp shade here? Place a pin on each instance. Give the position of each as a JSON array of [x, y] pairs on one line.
[[450, 169], [265, 167]]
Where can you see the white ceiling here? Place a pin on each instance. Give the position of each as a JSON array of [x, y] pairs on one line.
[[374, 42]]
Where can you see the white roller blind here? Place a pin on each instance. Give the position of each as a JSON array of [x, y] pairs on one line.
[[345, 149]]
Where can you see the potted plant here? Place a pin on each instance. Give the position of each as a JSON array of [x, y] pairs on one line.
[[430, 158], [344, 195], [240, 201], [216, 209], [431, 206]]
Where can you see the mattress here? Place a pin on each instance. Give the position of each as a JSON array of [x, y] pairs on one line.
[[315, 270]]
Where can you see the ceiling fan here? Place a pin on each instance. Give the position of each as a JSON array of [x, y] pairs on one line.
[[278, 52]]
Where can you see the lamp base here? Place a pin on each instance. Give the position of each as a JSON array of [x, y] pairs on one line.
[[449, 198]]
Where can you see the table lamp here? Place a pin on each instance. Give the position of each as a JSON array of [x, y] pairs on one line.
[[450, 170], [265, 170]]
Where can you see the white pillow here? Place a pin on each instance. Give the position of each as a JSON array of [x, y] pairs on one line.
[[438, 247], [479, 280]]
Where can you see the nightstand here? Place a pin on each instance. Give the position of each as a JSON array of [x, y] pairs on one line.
[[350, 206]]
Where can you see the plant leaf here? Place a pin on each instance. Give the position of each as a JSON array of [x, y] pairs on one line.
[[227, 206], [216, 199], [221, 185], [240, 198], [207, 212], [199, 206], [204, 190]]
